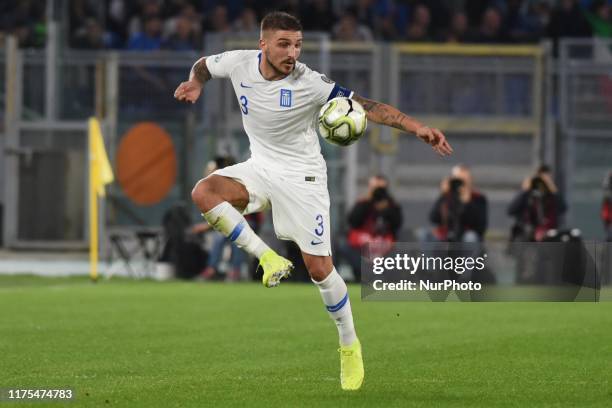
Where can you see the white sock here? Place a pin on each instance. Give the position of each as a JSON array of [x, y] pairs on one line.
[[335, 297], [229, 222]]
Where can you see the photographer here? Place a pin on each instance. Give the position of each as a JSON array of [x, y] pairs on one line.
[[460, 216], [538, 208], [606, 207], [375, 218], [460, 213]]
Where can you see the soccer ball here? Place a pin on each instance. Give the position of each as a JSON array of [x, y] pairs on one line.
[[342, 121]]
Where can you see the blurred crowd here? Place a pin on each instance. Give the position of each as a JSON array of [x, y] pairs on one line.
[[182, 24], [460, 215]]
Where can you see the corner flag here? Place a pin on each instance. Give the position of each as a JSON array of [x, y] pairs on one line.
[[100, 174]]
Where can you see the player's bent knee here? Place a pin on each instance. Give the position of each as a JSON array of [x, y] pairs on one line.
[[319, 267], [197, 192], [203, 195], [318, 274]]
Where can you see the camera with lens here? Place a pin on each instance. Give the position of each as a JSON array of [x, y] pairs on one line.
[[454, 184], [380, 194], [538, 185], [381, 200], [538, 188]]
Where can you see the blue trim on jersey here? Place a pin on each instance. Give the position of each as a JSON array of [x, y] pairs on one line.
[[339, 91], [338, 305], [237, 230], [259, 64]]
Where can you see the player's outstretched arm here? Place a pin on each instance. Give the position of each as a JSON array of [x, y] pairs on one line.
[[384, 114], [190, 90]]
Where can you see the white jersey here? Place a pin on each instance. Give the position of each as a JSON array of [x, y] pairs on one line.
[[279, 117]]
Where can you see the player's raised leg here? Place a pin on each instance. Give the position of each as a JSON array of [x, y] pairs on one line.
[[336, 299], [217, 197]]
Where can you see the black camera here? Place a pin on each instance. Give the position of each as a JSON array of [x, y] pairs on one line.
[[454, 184], [380, 194], [538, 185]]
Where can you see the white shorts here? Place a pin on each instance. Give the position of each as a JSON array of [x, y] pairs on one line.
[[300, 204]]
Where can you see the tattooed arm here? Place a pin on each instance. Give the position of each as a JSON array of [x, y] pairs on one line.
[[190, 90], [199, 71], [388, 115]]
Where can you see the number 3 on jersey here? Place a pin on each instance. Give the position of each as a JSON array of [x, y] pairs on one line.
[[243, 104]]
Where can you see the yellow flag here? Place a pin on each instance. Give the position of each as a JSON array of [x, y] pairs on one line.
[[100, 174], [100, 168]]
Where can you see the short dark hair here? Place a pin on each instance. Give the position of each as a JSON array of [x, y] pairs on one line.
[[279, 20]]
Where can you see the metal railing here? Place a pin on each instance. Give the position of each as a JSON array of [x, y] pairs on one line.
[[585, 117], [492, 101]]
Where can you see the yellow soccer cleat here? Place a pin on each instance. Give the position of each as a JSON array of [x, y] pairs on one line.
[[351, 366], [275, 268]]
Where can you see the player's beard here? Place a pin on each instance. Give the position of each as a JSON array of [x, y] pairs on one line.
[[275, 68]]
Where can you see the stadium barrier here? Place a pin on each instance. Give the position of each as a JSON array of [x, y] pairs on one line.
[[497, 104]]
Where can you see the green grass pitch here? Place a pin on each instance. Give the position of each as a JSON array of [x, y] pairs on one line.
[[178, 344]]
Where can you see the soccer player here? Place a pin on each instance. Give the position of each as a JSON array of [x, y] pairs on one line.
[[279, 98]]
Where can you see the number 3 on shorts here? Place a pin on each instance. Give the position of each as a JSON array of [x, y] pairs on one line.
[[319, 230]]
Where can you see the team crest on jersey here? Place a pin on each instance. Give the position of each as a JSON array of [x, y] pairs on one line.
[[285, 98]]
